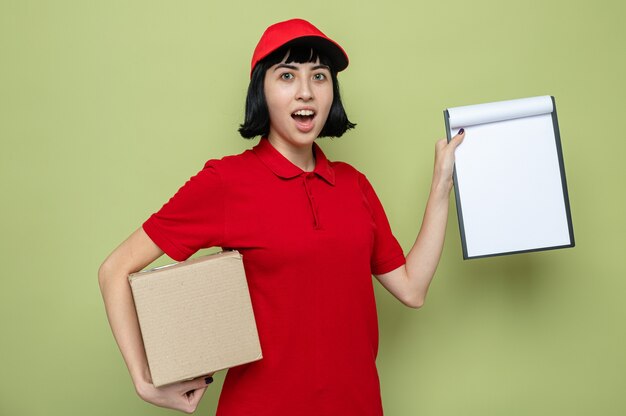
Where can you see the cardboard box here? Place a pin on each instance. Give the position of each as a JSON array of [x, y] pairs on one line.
[[195, 317]]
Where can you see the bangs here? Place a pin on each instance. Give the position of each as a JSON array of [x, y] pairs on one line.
[[298, 53]]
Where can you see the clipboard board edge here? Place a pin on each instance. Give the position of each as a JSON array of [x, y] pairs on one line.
[[559, 151], [457, 198], [532, 250]]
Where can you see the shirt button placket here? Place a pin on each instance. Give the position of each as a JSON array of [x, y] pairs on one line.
[[308, 178]]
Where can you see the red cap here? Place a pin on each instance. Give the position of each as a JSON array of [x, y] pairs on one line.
[[282, 33]]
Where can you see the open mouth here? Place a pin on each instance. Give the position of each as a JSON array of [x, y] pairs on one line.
[[303, 116], [304, 120]]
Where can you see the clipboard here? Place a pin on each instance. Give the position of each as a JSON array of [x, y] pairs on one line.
[[509, 178]]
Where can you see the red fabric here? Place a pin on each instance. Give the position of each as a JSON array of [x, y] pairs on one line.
[[310, 243]]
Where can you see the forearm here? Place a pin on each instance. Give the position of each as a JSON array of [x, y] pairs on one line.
[[120, 309], [135, 253], [423, 258]]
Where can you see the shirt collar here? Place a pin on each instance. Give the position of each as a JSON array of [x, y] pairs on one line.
[[283, 168]]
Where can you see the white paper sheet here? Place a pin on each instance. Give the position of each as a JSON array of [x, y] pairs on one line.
[[509, 178]]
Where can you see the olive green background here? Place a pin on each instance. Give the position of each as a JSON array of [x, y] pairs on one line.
[[106, 108]]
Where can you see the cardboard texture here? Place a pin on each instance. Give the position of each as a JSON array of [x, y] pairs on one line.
[[195, 317]]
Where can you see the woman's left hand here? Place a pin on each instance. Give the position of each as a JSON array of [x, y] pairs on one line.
[[444, 162]]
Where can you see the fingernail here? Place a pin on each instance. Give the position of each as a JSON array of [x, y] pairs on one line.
[[461, 131], [208, 380]]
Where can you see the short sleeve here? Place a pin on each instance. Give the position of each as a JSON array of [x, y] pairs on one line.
[[193, 218], [387, 254]]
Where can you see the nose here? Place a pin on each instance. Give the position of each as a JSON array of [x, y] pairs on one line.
[[304, 92]]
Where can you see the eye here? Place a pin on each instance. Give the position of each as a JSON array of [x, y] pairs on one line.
[[319, 77], [286, 76]]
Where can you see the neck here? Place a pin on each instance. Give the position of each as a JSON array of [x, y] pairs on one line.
[[301, 156]]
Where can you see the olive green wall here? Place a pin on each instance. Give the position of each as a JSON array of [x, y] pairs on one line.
[[107, 107]]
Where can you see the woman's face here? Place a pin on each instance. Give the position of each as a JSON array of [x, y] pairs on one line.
[[299, 97]]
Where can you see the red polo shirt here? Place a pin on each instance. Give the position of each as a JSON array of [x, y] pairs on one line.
[[310, 244]]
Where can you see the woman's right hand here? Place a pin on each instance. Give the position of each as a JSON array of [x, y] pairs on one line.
[[183, 396]]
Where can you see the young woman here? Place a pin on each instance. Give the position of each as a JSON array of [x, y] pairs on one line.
[[312, 233]]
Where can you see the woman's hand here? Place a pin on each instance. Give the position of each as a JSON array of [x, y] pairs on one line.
[[183, 396], [444, 162]]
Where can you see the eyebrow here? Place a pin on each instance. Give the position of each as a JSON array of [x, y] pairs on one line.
[[295, 68]]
